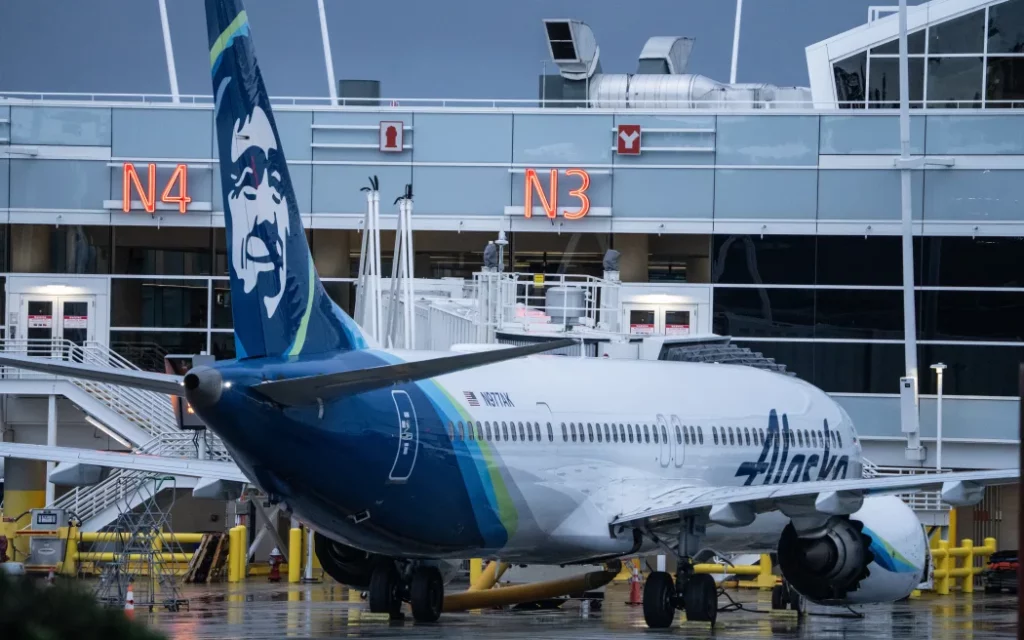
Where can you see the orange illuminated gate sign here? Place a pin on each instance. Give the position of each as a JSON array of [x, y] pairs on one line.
[[549, 199], [175, 190]]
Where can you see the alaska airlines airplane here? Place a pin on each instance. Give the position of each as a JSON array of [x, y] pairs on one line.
[[401, 461]]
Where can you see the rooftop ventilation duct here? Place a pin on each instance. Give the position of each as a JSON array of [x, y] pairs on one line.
[[573, 48], [665, 55]]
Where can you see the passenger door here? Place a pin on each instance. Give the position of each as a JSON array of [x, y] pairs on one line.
[[678, 440], [665, 443]]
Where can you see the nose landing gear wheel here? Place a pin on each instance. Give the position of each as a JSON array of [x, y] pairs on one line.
[[659, 600], [700, 597], [385, 591], [426, 594]]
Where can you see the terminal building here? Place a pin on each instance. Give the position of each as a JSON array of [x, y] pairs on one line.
[[767, 214]]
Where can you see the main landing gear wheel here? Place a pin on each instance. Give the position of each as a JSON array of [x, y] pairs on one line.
[[426, 594], [659, 600], [386, 591], [700, 598], [785, 597], [780, 597]]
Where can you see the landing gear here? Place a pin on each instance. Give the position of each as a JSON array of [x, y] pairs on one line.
[[786, 597], [426, 594], [659, 600], [696, 594], [386, 591], [423, 589]]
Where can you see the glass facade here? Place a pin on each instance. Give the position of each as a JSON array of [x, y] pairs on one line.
[[971, 61], [831, 308]]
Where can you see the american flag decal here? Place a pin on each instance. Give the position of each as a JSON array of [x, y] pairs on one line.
[[471, 398]]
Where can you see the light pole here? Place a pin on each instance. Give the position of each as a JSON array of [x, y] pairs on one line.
[[938, 415]]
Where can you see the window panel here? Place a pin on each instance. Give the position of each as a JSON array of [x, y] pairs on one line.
[[915, 44], [856, 260], [972, 370], [763, 312], [954, 83], [970, 315], [146, 349], [858, 314], [972, 262], [222, 346], [158, 303], [185, 251], [858, 367], [961, 35], [884, 83], [849, 78], [1006, 27], [38, 248], [751, 259], [1004, 83]]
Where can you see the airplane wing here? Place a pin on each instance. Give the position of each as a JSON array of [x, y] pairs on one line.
[[131, 461], [958, 489], [307, 389], [158, 382]]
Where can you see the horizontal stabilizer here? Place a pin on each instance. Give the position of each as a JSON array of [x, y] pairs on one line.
[[157, 382], [308, 389]]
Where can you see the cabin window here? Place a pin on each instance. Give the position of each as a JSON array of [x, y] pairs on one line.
[[536, 430], [821, 439], [565, 433], [615, 433], [597, 428], [572, 430], [487, 430], [680, 433], [504, 431], [622, 433], [700, 435], [551, 433], [800, 438], [839, 438], [654, 435], [529, 431], [460, 434], [629, 430], [590, 431], [451, 430], [664, 435], [746, 435], [714, 434], [469, 431], [732, 440]]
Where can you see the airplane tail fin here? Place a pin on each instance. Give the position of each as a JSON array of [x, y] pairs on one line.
[[278, 303]]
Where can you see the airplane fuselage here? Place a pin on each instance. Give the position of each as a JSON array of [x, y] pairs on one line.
[[529, 459]]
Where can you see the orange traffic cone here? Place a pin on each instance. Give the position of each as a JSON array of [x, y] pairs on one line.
[[129, 602], [634, 588]]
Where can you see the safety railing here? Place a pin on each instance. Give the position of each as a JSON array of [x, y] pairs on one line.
[[945, 560], [406, 104], [918, 501]]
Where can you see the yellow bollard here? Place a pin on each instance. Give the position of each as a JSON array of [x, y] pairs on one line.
[[294, 555], [942, 583], [765, 579], [967, 586], [476, 568], [232, 554]]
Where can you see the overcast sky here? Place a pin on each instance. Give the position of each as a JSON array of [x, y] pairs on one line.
[[416, 48]]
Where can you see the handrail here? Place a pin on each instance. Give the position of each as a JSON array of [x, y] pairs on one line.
[[406, 104]]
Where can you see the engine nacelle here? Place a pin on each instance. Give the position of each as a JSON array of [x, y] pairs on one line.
[[353, 568], [878, 554]]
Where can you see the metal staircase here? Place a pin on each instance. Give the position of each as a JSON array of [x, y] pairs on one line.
[[146, 412]]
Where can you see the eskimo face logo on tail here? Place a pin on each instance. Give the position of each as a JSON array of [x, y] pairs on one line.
[[258, 209], [800, 466]]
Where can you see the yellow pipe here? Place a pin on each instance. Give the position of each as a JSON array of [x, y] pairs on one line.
[[294, 555], [491, 574], [737, 570], [967, 585], [70, 565], [481, 599], [108, 536], [243, 551], [942, 575], [97, 556]]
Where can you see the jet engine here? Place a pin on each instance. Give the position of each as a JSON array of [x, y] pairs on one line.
[[353, 568], [347, 565], [878, 554]]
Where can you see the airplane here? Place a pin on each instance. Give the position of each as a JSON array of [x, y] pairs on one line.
[[401, 461]]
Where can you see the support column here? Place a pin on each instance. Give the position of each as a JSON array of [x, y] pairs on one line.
[[634, 252], [51, 441]]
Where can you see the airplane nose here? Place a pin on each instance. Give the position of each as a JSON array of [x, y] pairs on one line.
[[203, 386]]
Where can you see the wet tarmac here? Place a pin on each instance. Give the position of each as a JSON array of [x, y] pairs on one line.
[[262, 610]]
